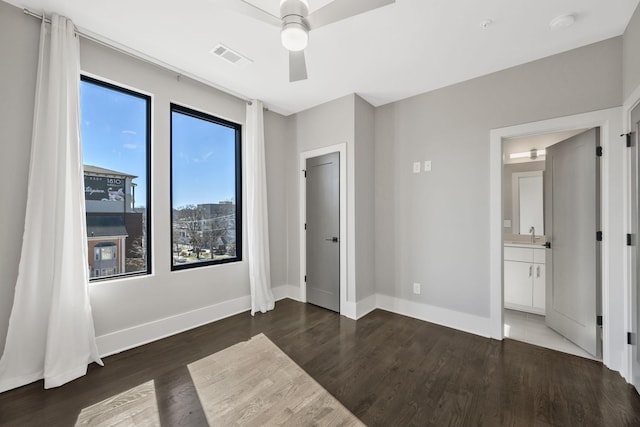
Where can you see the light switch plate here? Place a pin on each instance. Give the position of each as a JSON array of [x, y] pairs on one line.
[[416, 288], [427, 165], [416, 167]]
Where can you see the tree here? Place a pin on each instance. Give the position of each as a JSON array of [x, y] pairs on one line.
[[190, 219], [176, 238], [216, 229], [136, 259]]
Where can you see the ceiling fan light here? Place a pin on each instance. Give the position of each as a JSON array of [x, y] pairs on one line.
[[294, 36], [531, 154], [306, 3], [562, 21]]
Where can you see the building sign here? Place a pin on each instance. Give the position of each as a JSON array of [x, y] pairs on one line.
[[104, 188]]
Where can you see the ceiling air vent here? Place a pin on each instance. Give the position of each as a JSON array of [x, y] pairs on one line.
[[230, 55]]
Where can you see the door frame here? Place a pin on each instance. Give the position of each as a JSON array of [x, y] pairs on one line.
[[629, 105], [341, 149], [609, 121]]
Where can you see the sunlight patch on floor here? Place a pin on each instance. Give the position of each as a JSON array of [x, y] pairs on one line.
[[256, 383], [135, 407]]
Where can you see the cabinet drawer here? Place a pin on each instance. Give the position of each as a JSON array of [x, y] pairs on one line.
[[518, 254], [539, 256]]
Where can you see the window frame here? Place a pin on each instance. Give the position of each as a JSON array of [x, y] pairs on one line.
[[238, 185], [148, 127]]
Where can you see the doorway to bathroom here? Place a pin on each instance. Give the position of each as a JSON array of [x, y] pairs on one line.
[[613, 201], [551, 219]]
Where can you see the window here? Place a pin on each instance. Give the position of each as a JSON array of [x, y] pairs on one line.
[[116, 139], [205, 189], [106, 252]]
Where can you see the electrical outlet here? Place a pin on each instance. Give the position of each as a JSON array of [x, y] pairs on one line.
[[416, 167], [416, 288], [427, 165]]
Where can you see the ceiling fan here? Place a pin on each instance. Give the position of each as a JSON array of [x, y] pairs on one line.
[[296, 22]]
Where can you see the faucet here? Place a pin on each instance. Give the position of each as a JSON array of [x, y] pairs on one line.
[[532, 230]]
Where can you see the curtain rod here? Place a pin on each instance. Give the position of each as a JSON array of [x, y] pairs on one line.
[[139, 55]]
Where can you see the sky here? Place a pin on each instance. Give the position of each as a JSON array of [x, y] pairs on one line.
[[203, 161], [113, 130]]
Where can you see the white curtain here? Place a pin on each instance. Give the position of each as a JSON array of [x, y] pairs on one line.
[[51, 333], [257, 218]]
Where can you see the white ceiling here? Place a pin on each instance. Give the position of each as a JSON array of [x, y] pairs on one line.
[[384, 55]]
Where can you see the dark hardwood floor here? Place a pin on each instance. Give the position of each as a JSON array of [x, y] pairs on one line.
[[389, 370]]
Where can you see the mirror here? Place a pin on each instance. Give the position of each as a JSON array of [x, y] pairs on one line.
[[528, 208]]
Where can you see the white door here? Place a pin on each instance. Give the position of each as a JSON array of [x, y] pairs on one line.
[[572, 219], [635, 253]]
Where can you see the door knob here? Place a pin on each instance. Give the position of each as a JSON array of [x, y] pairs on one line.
[[333, 239]]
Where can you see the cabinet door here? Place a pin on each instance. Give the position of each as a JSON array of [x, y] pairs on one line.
[[538, 286], [518, 277]]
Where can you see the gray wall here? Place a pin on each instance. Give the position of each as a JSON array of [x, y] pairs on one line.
[[292, 213], [386, 254], [507, 187], [438, 221], [122, 304], [19, 35], [325, 125], [631, 55], [277, 154], [349, 120], [364, 195]]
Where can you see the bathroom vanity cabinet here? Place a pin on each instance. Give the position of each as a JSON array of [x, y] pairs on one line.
[[524, 278]]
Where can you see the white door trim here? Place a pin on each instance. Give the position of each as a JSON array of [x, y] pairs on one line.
[[610, 123], [342, 150], [631, 103]]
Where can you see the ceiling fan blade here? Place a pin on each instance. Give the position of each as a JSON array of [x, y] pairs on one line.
[[248, 9], [297, 66], [338, 10]]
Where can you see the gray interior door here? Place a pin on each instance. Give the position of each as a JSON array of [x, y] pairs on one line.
[[635, 253], [323, 231], [572, 219]]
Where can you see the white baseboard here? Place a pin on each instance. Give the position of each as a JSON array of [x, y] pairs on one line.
[[126, 339], [287, 291], [366, 306], [452, 319], [349, 309]]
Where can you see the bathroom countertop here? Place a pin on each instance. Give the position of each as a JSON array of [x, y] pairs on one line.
[[536, 245]]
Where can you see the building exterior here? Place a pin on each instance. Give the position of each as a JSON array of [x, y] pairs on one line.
[[210, 227], [115, 229]]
